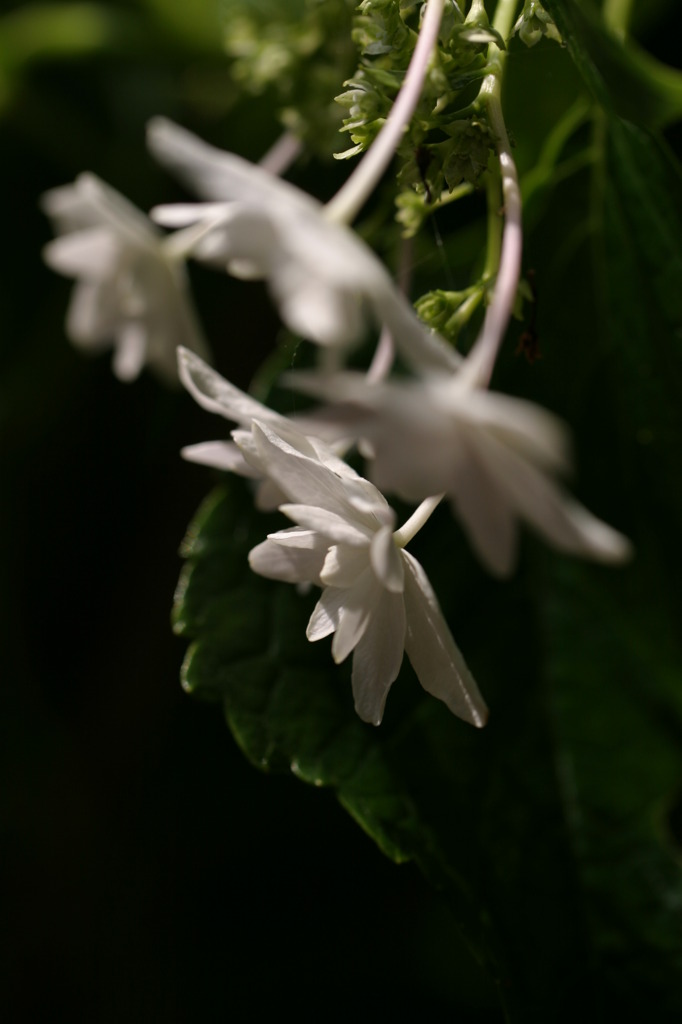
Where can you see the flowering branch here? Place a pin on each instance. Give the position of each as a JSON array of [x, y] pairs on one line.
[[352, 196]]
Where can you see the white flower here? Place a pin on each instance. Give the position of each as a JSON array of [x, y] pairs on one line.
[[217, 395], [326, 282], [495, 457], [131, 290], [376, 598]]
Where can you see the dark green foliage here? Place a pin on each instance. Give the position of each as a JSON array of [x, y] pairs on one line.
[[297, 52]]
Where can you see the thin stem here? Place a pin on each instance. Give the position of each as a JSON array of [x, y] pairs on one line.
[[478, 367], [504, 18], [617, 16], [494, 240], [281, 154], [419, 517], [383, 357], [384, 354], [180, 244], [463, 314], [351, 197]]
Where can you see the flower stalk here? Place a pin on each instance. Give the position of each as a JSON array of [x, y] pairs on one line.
[[419, 518], [479, 366], [281, 155], [351, 197]]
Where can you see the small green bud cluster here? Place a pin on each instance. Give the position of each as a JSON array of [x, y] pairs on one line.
[[449, 311], [449, 141], [461, 157], [534, 23]]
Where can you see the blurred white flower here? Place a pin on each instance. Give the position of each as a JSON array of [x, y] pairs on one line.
[[131, 290], [376, 598], [495, 457], [325, 281]]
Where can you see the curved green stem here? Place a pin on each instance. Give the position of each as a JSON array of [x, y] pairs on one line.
[[494, 236], [617, 16]]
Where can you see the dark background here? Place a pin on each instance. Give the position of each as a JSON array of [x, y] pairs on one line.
[[149, 873]]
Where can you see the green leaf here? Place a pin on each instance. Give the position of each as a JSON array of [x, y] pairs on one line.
[[613, 660], [618, 719], [477, 811], [38, 32], [621, 76], [639, 203]]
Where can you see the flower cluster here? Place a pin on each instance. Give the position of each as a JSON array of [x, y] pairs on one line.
[[131, 286], [437, 433]]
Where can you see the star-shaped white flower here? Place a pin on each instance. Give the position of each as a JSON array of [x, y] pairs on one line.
[[325, 281], [131, 290], [495, 457], [376, 597]]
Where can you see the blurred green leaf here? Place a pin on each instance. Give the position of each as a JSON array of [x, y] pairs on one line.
[[196, 25], [617, 696], [620, 74], [38, 31], [638, 203], [618, 732]]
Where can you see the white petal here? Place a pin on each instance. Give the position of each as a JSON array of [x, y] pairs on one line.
[[181, 215], [215, 174], [287, 562], [92, 254], [88, 320], [314, 432], [343, 565], [65, 206], [242, 238], [112, 208], [325, 617], [247, 446], [335, 528], [301, 468], [557, 517], [89, 202], [303, 478], [386, 560], [217, 395], [297, 537], [314, 308], [412, 441], [435, 657], [484, 511], [377, 658], [130, 351], [268, 496], [355, 612], [220, 455], [519, 424]]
